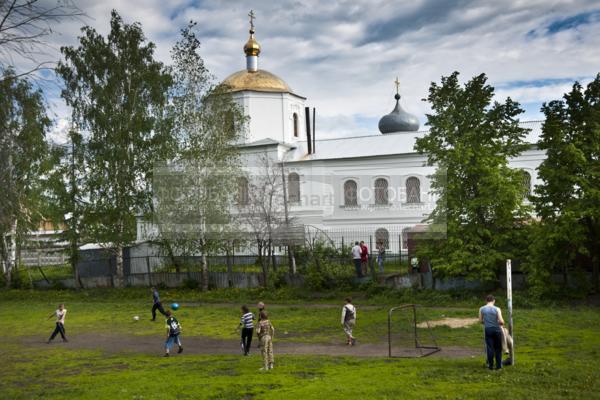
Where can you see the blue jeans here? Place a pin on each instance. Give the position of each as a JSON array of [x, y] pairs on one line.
[[172, 339], [357, 266], [380, 263], [493, 344]]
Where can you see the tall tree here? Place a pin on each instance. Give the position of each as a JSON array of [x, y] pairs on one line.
[[24, 160], [207, 124], [66, 196], [568, 199], [118, 95], [24, 27], [479, 196]]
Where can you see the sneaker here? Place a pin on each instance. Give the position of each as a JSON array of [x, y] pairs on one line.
[[65, 340], [166, 355], [353, 341], [180, 350]]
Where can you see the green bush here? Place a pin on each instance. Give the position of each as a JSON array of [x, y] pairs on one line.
[[324, 275], [190, 283]]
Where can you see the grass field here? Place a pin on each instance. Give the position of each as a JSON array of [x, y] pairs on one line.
[[557, 352]]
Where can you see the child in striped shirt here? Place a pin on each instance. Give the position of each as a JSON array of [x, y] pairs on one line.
[[247, 325]]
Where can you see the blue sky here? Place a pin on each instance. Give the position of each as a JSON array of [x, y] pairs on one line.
[[344, 55]]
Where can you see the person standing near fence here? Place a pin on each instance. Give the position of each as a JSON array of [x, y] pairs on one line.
[[364, 258], [380, 256], [349, 321], [156, 304], [491, 318], [247, 325], [266, 332], [60, 314], [356, 258]]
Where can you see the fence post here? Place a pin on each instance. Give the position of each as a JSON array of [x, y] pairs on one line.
[[372, 252], [149, 271]]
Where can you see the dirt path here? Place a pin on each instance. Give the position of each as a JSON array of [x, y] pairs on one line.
[[209, 346]]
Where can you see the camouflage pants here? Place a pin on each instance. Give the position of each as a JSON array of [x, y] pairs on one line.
[[266, 349], [348, 326]]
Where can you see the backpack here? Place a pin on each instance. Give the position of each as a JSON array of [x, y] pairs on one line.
[[349, 314]]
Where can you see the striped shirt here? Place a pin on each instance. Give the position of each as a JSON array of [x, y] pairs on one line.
[[247, 320]]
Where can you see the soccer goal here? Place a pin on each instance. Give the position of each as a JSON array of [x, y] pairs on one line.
[[408, 335]]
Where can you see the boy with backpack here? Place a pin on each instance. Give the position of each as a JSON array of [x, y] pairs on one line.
[[349, 320], [173, 331]]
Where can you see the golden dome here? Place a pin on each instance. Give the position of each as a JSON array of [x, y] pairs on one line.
[[252, 47], [259, 81]]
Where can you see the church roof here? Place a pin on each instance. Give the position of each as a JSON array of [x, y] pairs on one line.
[[382, 145], [259, 81]]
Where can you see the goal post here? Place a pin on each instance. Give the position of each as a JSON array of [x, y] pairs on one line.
[[408, 337]]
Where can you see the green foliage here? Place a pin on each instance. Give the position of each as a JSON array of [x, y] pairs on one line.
[[479, 196], [118, 96], [24, 160], [191, 284], [568, 199]]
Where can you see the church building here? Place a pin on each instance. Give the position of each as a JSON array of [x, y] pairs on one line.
[[376, 184]]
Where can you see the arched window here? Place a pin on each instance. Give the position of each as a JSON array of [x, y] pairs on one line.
[[382, 236], [526, 182], [413, 190], [296, 125], [405, 232], [243, 198], [294, 188], [381, 191], [350, 193]]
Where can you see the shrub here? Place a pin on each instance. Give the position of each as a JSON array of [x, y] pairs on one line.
[[189, 283]]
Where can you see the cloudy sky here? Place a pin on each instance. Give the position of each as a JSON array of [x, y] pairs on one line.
[[344, 55]]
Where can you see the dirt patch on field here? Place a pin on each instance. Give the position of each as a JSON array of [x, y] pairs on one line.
[[451, 322], [113, 343]]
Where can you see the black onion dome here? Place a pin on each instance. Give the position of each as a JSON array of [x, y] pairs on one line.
[[398, 120]]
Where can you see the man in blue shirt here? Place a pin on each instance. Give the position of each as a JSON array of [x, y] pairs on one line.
[[156, 303], [491, 318]]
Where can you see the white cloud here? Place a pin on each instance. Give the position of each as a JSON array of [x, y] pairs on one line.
[[344, 55]]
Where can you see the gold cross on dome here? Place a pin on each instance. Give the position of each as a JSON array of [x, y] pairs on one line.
[[252, 18], [397, 82]]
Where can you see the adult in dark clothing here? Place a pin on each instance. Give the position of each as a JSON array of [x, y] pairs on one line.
[[491, 318], [156, 304]]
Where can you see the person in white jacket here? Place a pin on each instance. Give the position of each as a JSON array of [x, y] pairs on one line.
[[349, 321]]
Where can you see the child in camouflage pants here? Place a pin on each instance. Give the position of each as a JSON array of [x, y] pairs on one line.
[[265, 334]]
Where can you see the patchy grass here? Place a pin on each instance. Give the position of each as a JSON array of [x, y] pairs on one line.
[[557, 352]]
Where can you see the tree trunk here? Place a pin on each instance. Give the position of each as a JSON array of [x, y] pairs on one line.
[[204, 272], [291, 261], [265, 268], [119, 259], [229, 268], [596, 272], [74, 259]]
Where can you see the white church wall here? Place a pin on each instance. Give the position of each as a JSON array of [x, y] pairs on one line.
[[271, 116]]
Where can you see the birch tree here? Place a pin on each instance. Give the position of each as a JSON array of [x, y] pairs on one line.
[[118, 95]]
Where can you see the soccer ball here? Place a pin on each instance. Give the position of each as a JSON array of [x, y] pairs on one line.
[[174, 306], [136, 318]]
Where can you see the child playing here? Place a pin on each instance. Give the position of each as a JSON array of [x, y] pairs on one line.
[[265, 332], [60, 314], [247, 325], [348, 321], [173, 331]]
